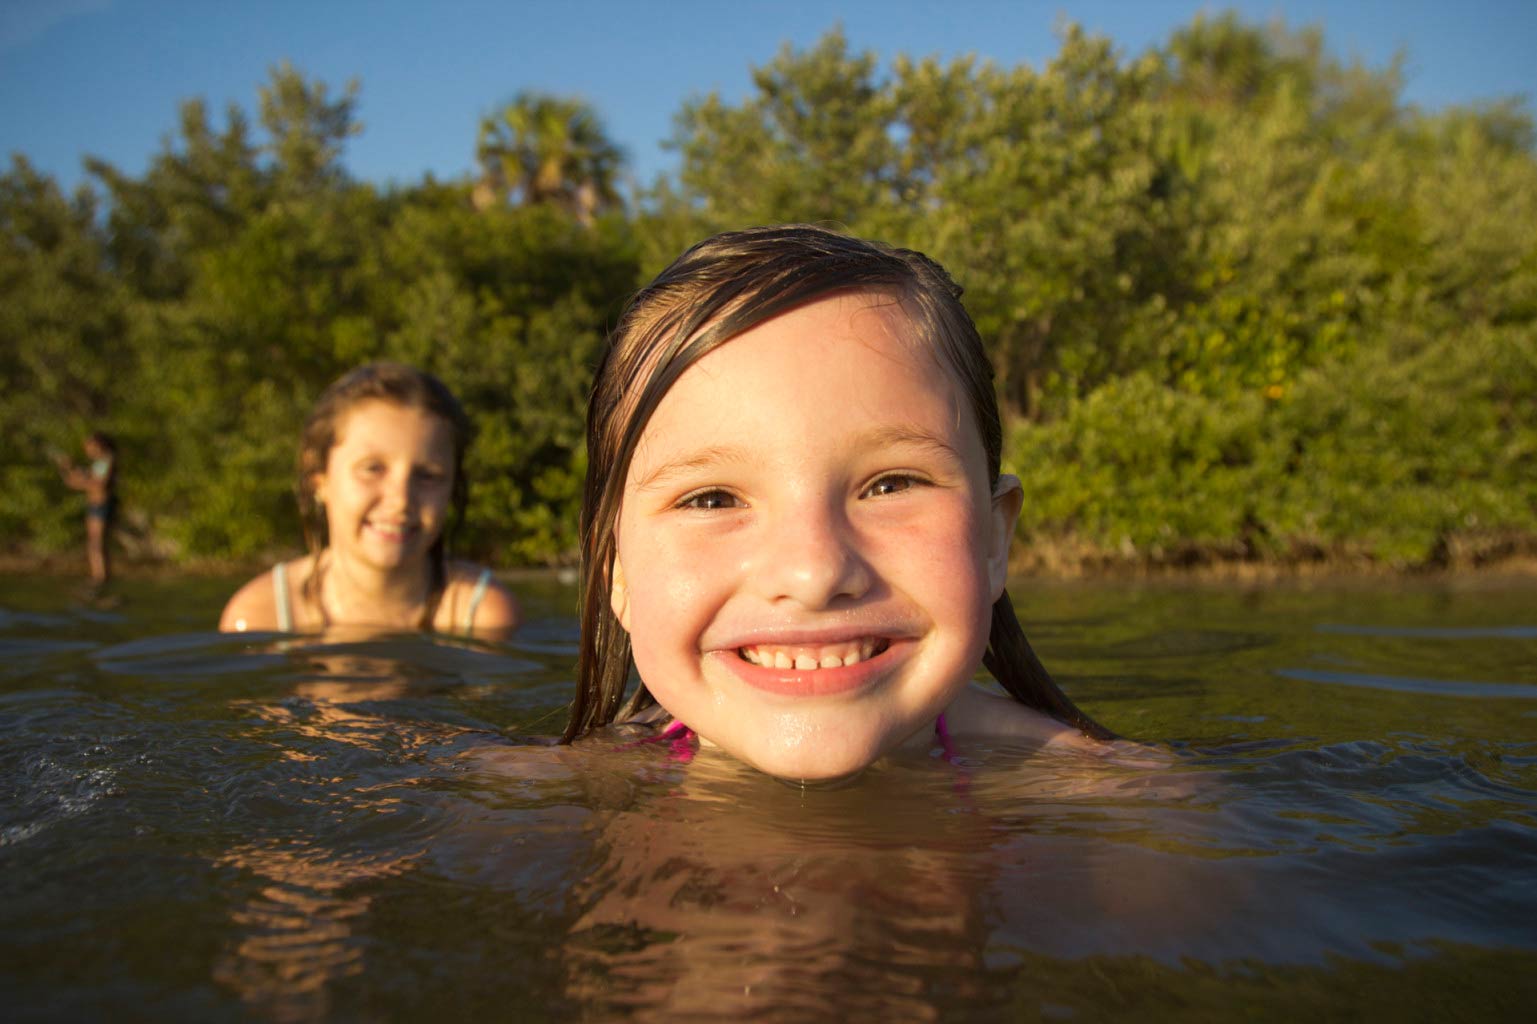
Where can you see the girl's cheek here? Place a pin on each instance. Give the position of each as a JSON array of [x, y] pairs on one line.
[[685, 567], [679, 567], [946, 532]]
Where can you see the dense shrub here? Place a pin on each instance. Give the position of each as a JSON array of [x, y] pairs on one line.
[[1240, 300]]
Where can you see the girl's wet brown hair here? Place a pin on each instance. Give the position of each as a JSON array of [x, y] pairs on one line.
[[397, 384], [716, 290]]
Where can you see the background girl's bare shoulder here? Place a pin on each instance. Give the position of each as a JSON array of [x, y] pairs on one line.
[[497, 612], [254, 606], [251, 607]]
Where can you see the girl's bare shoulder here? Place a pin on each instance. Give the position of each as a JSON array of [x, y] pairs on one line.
[[977, 712], [250, 607], [254, 605], [495, 611]]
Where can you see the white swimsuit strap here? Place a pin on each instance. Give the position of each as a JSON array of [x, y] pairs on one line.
[[475, 598], [280, 597]]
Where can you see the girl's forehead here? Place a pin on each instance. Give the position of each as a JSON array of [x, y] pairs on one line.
[[854, 357], [378, 419], [845, 329]]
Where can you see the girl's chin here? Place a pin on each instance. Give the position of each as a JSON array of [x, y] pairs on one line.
[[387, 558], [815, 742], [385, 540], [831, 782], [821, 768], [819, 776], [388, 554]]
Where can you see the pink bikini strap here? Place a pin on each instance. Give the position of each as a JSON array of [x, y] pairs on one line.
[[942, 731], [679, 739], [682, 746]]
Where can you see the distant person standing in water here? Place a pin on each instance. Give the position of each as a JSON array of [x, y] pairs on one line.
[[98, 481]]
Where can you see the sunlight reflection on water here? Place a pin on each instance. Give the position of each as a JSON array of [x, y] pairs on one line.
[[284, 828]]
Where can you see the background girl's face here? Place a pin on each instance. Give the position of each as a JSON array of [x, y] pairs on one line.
[[387, 483], [808, 546]]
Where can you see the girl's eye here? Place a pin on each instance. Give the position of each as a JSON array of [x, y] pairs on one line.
[[710, 500], [894, 483]]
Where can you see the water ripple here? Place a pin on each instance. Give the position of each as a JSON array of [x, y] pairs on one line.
[[1434, 632], [1409, 684]]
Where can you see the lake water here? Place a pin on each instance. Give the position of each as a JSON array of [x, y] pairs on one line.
[[199, 827]]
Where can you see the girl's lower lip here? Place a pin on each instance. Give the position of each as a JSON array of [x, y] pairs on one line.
[[814, 682]]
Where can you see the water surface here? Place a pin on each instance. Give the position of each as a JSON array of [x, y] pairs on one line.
[[202, 827]]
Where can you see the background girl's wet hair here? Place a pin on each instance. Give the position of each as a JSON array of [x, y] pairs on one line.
[[400, 385], [716, 290]]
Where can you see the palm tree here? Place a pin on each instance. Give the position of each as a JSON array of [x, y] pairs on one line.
[[540, 148]]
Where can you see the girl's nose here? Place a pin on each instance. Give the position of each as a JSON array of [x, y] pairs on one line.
[[400, 489], [811, 556]]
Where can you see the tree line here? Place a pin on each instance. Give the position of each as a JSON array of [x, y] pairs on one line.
[[1242, 301]]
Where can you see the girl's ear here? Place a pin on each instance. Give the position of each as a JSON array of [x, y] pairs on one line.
[[1008, 498], [318, 488], [619, 594]]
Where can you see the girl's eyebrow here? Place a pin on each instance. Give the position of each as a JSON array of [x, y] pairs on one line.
[[717, 455], [912, 437], [703, 458]]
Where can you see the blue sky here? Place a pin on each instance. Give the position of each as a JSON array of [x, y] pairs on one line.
[[105, 76]]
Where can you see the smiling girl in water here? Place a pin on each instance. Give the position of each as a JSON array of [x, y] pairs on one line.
[[794, 525], [381, 481]]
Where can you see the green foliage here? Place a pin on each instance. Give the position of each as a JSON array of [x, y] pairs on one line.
[[1388, 453], [813, 144], [201, 317], [1240, 300], [540, 148]]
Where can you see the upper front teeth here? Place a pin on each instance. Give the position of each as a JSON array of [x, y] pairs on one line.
[[806, 658]]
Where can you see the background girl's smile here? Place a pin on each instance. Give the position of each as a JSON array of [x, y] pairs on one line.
[[387, 483]]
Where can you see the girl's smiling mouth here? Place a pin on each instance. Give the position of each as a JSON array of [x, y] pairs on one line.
[[804, 669], [398, 533]]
